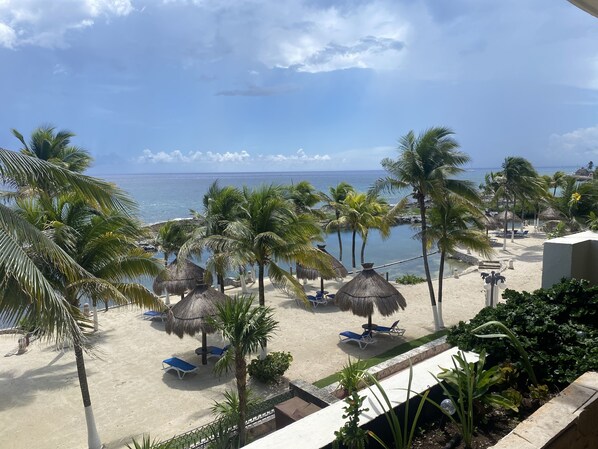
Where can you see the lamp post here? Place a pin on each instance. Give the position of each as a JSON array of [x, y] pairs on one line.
[[492, 279]]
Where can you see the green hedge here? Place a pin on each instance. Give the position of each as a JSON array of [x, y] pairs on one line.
[[556, 326]]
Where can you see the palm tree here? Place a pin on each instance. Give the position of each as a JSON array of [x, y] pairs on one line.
[[334, 200], [558, 179], [269, 231], [27, 291], [55, 147], [246, 328], [103, 244], [303, 195], [518, 179], [171, 236], [425, 164], [455, 223]]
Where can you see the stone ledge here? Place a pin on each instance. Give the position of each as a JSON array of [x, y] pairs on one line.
[[567, 421]]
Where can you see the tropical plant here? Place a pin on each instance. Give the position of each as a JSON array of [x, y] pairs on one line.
[[271, 368], [246, 328], [304, 196], [555, 326], [228, 409], [55, 147], [170, 238], [426, 164], [468, 387], [557, 180], [147, 443], [455, 223], [410, 279], [103, 246], [592, 221], [269, 231], [334, 200], [351, 378]]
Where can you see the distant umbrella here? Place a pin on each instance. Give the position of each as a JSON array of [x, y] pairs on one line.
[[490, 222], [340, 271], [508, 216], [190, 315], [366, 290], [178, 277], [550, 213]]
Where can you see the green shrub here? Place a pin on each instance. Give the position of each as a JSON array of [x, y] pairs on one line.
[[410, 279], [271, 368], [555, 326]]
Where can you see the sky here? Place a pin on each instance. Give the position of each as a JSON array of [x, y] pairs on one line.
[[152, 86]]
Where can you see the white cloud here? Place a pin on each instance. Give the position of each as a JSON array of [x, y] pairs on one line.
[[46, 23], [576, 146], [228, 157]]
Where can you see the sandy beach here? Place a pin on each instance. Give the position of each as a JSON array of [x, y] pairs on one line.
[[41, 402]]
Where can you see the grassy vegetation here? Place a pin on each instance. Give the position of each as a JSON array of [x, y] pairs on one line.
[[393, 352]]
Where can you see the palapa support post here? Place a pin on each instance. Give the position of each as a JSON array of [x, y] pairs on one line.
[[204, 348]]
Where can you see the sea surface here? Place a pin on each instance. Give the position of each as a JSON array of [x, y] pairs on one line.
[[163, 197]]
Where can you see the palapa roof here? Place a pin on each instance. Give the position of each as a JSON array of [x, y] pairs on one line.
[[367, 289], [509, 216], [550, 213], [189, 315], [178, 277], [304, 272]]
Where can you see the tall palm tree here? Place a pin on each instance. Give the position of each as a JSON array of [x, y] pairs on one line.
[[303, 195], [27, 291], [103, 244], [269, 231], [246, 328], [454, 223], [426, 164], [558, 179], [171, 236], [335, 198], [55, 147]]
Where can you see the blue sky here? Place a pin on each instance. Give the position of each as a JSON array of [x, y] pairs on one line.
[[234, 85]]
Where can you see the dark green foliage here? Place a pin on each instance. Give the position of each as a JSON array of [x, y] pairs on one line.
[[410, 279], [271, 368], [557, 327], [351, 435]]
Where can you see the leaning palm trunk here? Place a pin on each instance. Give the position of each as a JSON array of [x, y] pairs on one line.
[[353, 248], [424, 240], [340, 241], [241, 376], [504, 238], [440, 282], [93, 438], [260, 283], [513, 221], [363, 243]]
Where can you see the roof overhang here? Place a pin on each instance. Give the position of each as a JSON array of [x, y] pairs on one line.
[[589, 6]]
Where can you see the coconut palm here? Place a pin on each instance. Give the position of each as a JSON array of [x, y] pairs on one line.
[[426, 164], [55, 147], [27, 291], [171, 236], [558, 180], [103, 244], [304, 196], [268, 232], [246, 328], [454, 223], [334, 200]]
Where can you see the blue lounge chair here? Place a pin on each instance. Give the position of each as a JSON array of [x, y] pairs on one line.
[[361, 339], [316, 301], [213, 351], [392, 330], [154, 314], [180, 366]]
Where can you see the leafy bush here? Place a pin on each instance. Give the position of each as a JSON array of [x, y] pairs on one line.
[[271, 368], [410, 279], [556, 327]]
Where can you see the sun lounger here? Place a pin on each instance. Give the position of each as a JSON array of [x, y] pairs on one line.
[[180, 366], [361, 339], [154, 314], [316, 301], [213, 351], [392, 330]]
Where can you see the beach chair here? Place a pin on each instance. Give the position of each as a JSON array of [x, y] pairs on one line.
[[180, 366], [392, 330], [154, 314], [316, 301], [363, 340], [213, 351]]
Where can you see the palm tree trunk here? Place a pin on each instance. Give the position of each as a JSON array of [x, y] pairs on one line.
[[504, 238], [424, 239], [260, 283], [364, 240], [340, 241], [513, 221], [220, 279], [353, 248], [440, 281], [241, 376], [93, 438]]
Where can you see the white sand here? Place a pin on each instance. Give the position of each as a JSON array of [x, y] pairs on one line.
[[40, 400]]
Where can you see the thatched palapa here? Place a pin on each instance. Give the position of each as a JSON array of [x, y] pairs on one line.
[[340, 271], [507, 215], [190, 315], [550, 213], [178, 277], [369, 289]]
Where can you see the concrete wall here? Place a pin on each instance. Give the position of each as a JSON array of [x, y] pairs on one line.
[[568, 421], [573, 256]]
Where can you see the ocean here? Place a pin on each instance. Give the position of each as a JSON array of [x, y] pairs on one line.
[[163, 197]]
